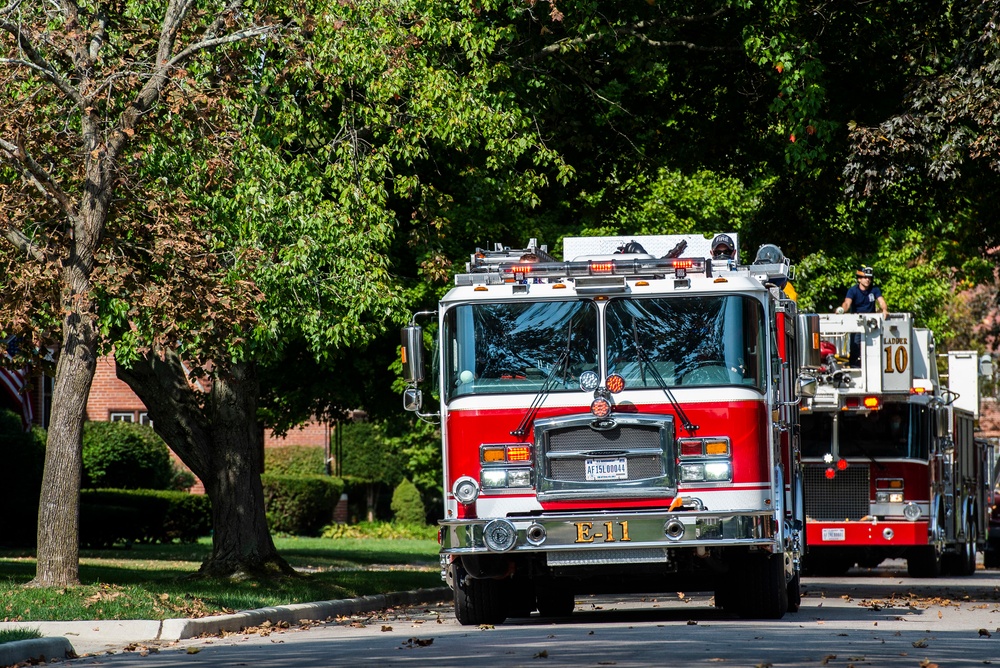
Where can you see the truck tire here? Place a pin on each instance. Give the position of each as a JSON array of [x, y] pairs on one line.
[[764, 592], [924, 562], [554, 601], [479, 600], [965, 560], [794, 594]]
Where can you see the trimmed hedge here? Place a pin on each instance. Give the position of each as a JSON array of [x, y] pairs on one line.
[[124, 455], [300, 505], [110, 516], [295, 460], [23, 457]]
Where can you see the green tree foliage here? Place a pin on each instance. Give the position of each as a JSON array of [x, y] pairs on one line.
[[85, 238], [123, 455], [407, 506]]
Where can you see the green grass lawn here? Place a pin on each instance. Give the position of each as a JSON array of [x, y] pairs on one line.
[[153, 581]]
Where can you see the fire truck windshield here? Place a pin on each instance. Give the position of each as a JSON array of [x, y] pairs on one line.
[[702, 340], [512, 347], [897, 430]]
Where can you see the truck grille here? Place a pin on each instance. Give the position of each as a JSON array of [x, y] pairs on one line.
[[645, 443], [844, 497]]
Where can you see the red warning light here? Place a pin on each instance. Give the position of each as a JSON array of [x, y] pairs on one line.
[[830, 473], [602, 267], [841, 464]]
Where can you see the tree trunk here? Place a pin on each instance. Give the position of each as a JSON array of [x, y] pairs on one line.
[[216, 434], [370, 490], [59, 501]]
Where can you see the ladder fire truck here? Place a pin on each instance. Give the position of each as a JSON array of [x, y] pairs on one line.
[[623, 421], [892, 468]]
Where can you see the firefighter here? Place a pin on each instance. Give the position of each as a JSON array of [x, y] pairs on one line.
[[723, 247], [862, 298]]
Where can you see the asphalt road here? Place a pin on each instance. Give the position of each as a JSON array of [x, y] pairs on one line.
[[868, 618]]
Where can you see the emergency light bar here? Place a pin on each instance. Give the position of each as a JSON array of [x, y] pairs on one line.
[[602, 267]]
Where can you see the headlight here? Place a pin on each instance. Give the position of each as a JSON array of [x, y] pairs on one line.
[[519, 478], [692, 472], [493, 478], [895, 497], [717, 471]]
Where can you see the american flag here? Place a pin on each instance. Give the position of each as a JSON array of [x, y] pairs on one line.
[[15, 381]]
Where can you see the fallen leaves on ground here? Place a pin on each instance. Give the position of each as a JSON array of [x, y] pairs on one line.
[[418, 642]]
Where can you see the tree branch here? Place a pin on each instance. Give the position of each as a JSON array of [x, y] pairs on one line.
[[638, 30], [37, 62], [21, 161], [23, 242]]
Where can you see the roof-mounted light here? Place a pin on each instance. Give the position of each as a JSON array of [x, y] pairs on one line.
[[624, 267]]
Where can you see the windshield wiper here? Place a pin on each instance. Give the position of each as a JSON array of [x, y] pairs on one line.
[[561, 364], [643, 358]]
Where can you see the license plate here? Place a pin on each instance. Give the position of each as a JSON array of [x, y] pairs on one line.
[[607, 469], [834, 534]]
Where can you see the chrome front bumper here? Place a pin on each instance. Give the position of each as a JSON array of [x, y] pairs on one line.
[[613, 531]]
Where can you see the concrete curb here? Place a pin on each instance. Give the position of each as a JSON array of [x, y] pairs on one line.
[[36, 649], [56, 644], [178, 629]]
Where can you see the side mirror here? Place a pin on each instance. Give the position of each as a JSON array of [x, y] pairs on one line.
[[807, 386], [941, 424], [413, 354], [413, 399]]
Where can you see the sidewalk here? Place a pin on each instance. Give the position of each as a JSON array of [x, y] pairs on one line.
[[69, 639]]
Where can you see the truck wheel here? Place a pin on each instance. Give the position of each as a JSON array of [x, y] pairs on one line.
[[764, 590], [554, 601], [965, 563], [479, 600], [924, 562], [794, 594]]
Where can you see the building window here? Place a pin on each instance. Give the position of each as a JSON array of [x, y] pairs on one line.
[[122, 416], [144, 419]]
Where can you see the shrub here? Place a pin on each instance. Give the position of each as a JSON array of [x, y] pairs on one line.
[[300, 505], [407, 506], [295, 460], [109, 516], [124, 455], [181, 479], [381, 530]]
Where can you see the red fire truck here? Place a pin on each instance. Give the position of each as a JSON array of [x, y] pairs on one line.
[[891, 465], [622, 421]]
